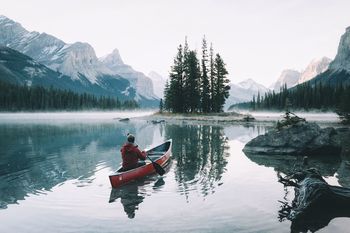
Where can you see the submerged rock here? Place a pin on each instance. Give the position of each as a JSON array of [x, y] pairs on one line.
[[302, 138]]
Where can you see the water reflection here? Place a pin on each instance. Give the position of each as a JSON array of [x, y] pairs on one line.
[[201, 153], [316, 217], [133, 194], [327, 165], [35, 157]]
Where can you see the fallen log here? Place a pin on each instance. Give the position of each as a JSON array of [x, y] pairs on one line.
[[315, 203]]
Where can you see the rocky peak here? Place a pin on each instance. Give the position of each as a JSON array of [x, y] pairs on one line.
[[316, 67], [113, 58], [342, 59], [250, 84], [9, 30], [140, 81], [289, 77], [79, 59]]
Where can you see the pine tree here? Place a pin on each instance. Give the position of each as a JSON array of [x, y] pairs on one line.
[[175, 95], [221, 87], [205, 85], [167, 97], [161, 105], [212, 77], [192, 82]]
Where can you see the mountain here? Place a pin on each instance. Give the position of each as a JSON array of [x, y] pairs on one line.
[[252, 86], [338, 72], [316, 67], [158, 83], [140, 81], [244, 91], [17, 68], [289, 77], [341, 61], [77, 61]]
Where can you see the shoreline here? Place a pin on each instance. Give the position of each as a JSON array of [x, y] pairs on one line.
[[239, 118]]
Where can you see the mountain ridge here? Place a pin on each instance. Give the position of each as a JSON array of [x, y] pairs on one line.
[[77, 60]]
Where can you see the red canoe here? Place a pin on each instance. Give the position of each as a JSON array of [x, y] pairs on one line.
[[159, 154]]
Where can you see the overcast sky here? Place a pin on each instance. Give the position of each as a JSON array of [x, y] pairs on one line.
[[256, 38]]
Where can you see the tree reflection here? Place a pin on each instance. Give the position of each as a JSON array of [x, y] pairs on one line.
[[200, 152]]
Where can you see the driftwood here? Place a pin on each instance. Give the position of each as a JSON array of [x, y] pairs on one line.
[[289, 119], [248, 118], [315, 203]]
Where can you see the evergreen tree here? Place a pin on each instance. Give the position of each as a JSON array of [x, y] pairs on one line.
[[221, 87], [175, 92], [192, 83], [205, 85], [212, 77], [161, 105], [167, 97]]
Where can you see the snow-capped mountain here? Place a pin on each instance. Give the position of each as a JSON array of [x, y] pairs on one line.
[[158, 83], [244, 92], [77, 60], [289, 77], [140, 81], [18, 68], [251, 85], [315, 67]]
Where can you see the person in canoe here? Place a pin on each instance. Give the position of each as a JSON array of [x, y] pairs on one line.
[[131, 154]]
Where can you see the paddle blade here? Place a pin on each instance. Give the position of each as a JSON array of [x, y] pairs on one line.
[[158, 168]]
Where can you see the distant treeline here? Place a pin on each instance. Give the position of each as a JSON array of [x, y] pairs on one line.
[[304, 97], [24, 98], [196, 85]]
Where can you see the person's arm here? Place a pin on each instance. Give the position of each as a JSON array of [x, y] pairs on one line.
[[140, 154]]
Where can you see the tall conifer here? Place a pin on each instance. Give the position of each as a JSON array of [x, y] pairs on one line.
[[205, 85]]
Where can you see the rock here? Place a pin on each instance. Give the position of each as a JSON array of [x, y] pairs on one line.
[[302, 138]]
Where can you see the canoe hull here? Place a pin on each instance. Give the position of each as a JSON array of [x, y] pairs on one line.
[[122, 178]]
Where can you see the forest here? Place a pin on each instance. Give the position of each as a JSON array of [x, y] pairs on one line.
[[305, 96], [36, 98]]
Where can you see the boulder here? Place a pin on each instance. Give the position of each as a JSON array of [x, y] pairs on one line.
[[302, 138]]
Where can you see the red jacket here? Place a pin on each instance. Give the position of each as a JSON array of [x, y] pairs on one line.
[[131, 155]]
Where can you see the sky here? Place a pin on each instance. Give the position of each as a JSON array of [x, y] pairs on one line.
[[256, 38]]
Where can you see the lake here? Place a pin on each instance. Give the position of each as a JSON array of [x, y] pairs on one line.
[[54, 177]]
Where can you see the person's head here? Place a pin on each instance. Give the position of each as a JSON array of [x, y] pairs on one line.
[[130, 138]]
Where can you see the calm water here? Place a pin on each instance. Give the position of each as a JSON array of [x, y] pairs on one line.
[[54, 178]]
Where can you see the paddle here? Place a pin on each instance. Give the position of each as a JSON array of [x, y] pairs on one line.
[[157, 167]]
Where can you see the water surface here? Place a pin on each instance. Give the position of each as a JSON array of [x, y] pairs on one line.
[[54, 178]]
